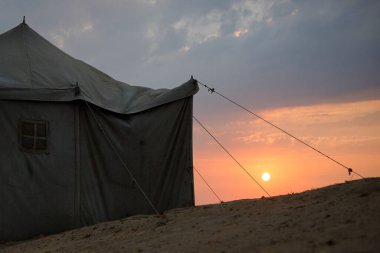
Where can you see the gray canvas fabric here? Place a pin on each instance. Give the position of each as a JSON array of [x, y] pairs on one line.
[[79, 179], [31, 68]]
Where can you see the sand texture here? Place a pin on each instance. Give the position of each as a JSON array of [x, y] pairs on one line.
[[338, 218]]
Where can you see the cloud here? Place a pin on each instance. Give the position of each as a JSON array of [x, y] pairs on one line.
[[240, 17], [324, 113], [251, 12], [295, 12], [198, 30], [240, 32], [60, 36], [328, 125], [263, 138]]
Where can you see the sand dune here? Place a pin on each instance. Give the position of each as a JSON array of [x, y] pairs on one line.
[[339, 218]]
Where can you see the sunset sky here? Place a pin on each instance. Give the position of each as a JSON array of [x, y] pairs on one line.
[[311, 67]]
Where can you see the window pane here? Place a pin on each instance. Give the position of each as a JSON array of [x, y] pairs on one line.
[[27, 142], [33, 136], [27, 128], [41, 130], [41, 144]]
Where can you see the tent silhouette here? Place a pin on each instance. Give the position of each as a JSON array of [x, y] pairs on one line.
[[78, 147]]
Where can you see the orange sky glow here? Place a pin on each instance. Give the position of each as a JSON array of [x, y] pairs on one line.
[[348, 132]]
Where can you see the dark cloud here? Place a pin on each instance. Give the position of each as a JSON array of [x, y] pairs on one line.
[[262, 53]]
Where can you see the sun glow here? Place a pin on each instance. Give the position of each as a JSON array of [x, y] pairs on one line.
[[265, 176], [322, 125]]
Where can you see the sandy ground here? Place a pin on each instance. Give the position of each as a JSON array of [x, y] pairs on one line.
[[338, 218]]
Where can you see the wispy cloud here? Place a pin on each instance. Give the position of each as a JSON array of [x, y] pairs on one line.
[[61, 35], [240, 18], [198, 30], [251, 12], [328, 125], [324, 114]]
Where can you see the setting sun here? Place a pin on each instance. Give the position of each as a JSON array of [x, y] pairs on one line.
[[265, 176]]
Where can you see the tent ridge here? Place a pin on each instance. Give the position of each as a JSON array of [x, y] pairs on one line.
[[29, 65]]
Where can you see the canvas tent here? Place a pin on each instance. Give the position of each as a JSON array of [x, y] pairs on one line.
[[67, 131]]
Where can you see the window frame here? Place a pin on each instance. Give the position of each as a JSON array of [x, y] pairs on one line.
[[33, 137]]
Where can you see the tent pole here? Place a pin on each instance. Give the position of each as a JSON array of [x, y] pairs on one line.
[[77, 164]]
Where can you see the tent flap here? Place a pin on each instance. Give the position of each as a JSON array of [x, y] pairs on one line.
[[131, 99]]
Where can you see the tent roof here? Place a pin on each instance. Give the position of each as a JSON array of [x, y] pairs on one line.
[[31, 68]]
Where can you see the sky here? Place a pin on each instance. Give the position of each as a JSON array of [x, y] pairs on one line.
[[311, 67]]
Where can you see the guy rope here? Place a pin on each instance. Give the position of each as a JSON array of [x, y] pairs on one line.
[[213, 91]]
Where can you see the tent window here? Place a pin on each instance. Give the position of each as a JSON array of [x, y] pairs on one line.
[[33, 136]]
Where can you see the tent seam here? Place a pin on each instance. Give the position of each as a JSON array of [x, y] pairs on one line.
[[27, 55]]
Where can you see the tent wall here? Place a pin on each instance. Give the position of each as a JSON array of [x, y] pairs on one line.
[[156, 145], [36, 190], [80, 180]]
